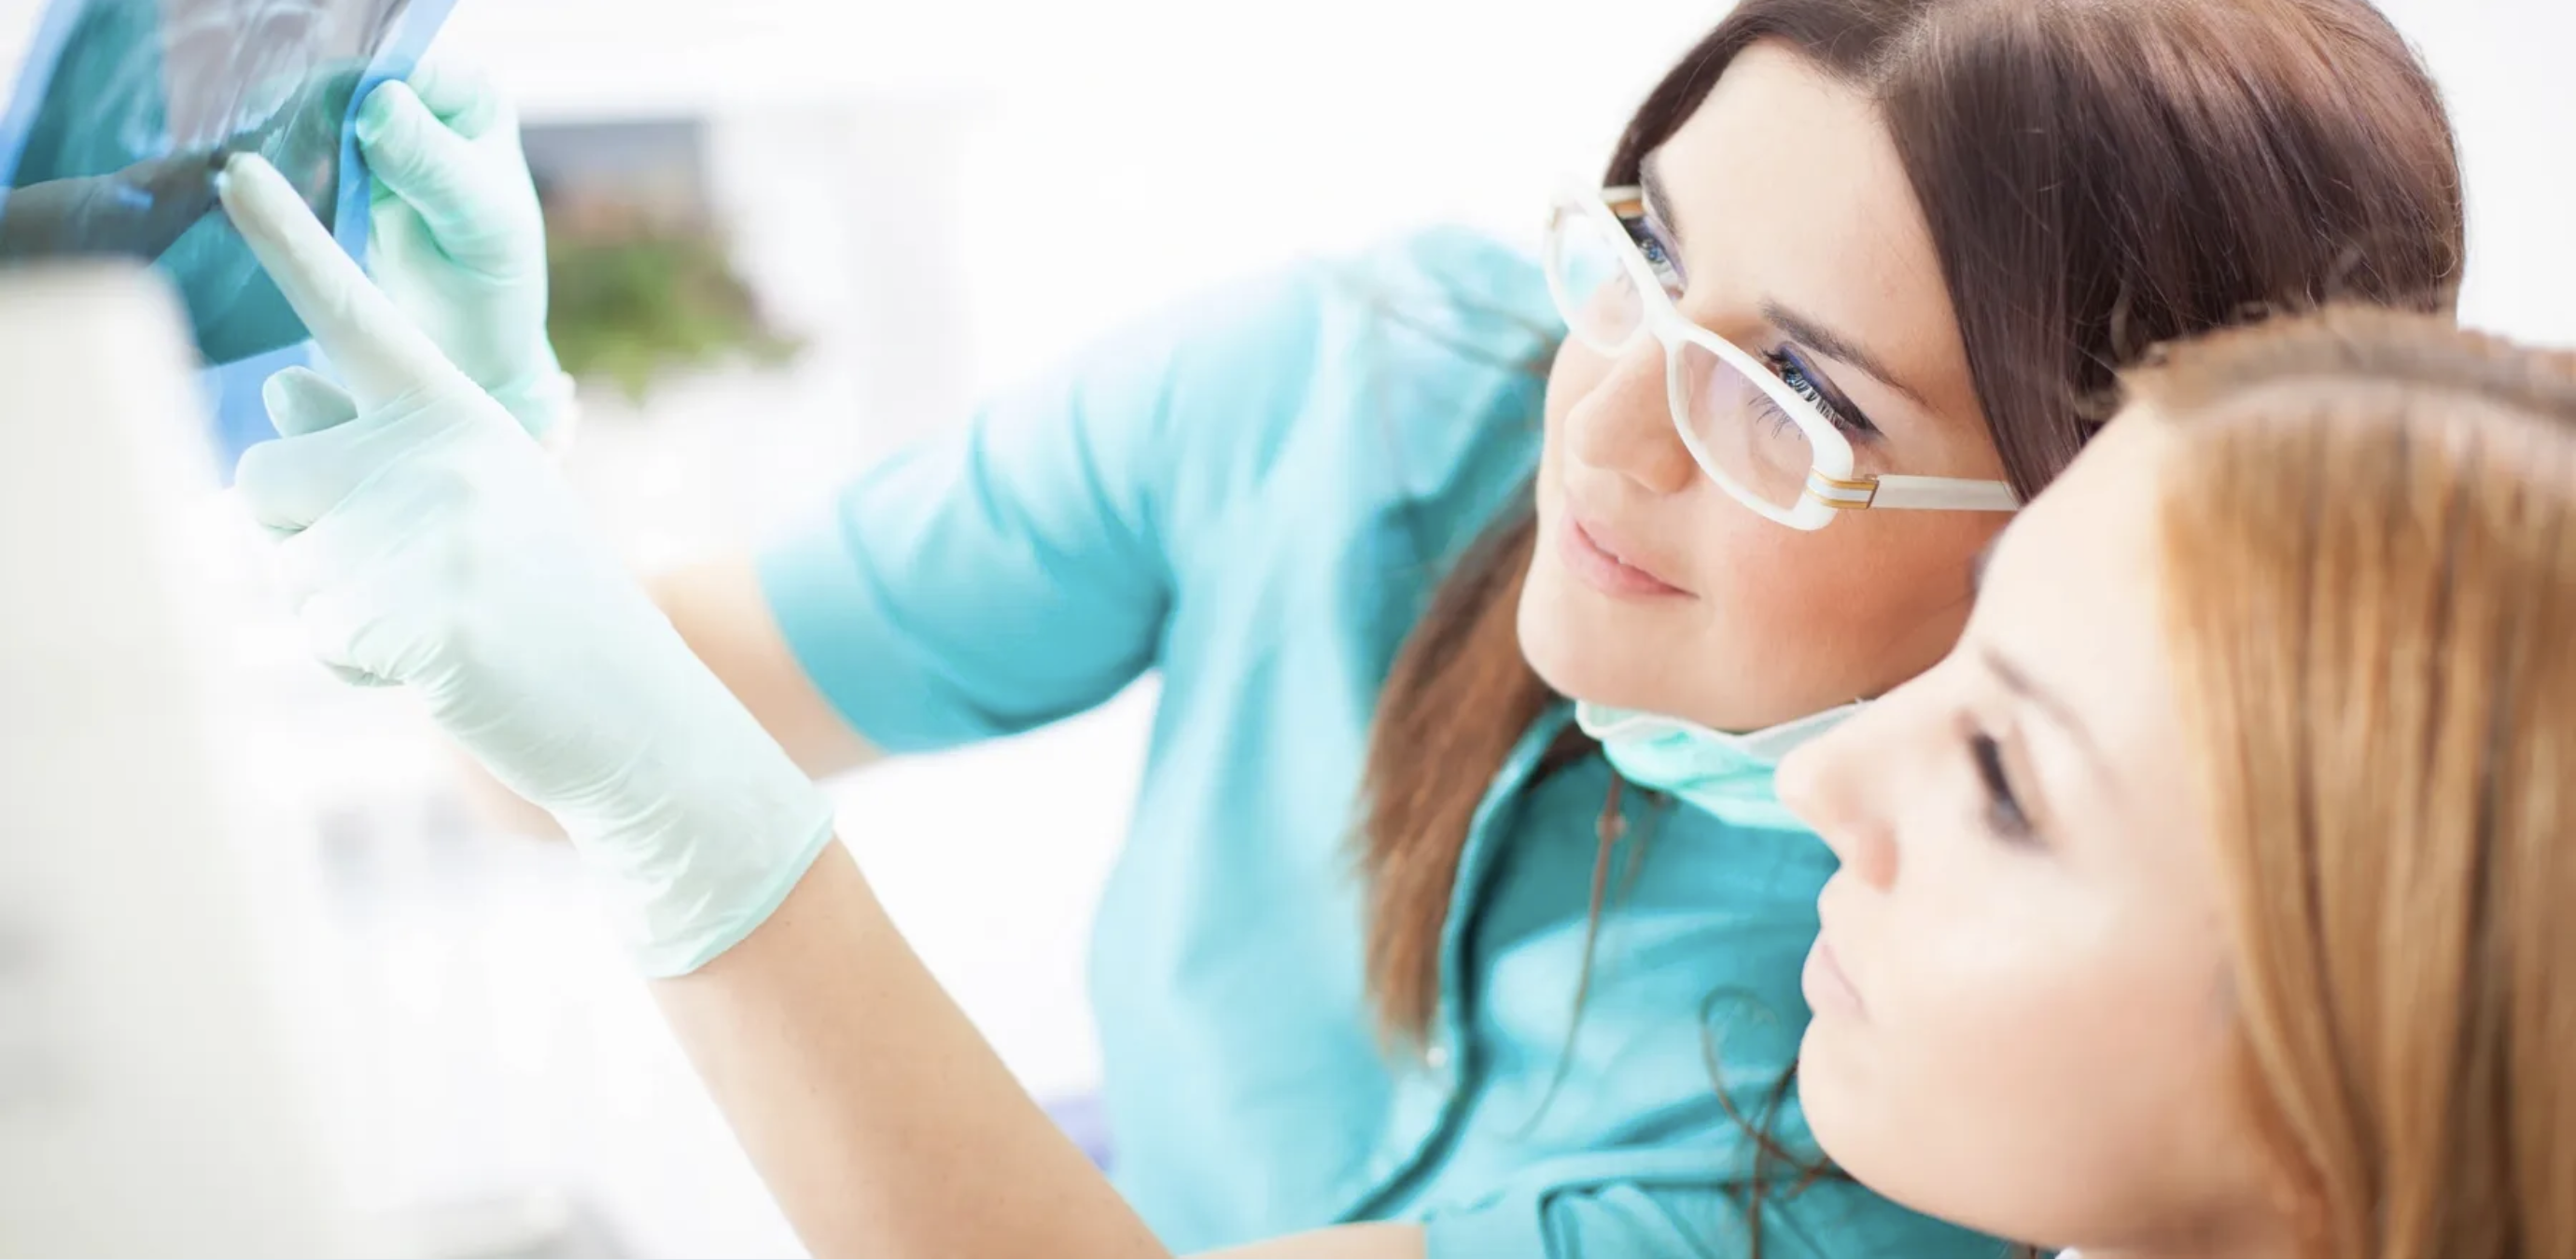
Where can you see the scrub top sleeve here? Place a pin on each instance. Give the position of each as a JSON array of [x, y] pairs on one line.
[[1018, 569], [1579, 1213]]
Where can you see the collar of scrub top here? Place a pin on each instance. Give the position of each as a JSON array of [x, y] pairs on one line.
[[1768, 745]]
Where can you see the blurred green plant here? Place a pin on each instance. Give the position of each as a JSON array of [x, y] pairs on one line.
[[634, 307]]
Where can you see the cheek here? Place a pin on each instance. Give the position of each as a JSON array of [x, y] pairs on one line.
[[1770, 587], [1575, 372], [2026, 1067], [1855, 609], [1824, 618]]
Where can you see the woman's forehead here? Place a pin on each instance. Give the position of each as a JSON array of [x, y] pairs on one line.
[[2083, 554], [1781, 156], [1785, 186], [2074, 598]]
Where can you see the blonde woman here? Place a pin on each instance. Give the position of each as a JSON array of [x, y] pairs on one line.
[[2210, 899]]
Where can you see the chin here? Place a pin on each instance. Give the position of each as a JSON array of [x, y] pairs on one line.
[[1586, 648], [1839, 1115], [1543, 641], [1822, 1092], [1854, 1128], [1551, 641]]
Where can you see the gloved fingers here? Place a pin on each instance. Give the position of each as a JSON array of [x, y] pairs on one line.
[[463, 98], [387, 584], [473, 195], [283, 490], [293, 572], [396, 234], [291, 483], [368, 542], [382, 356], [415, 155], [337, 634], [497, 246], [356, 677], [340, 630], [301, 401]]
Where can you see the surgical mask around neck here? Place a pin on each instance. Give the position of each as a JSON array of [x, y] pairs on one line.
[[1730, 776]]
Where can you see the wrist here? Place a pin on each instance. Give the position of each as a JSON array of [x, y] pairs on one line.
[[703, 833], [673, 926]]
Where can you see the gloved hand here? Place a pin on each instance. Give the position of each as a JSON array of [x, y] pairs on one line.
[[458, 240], [426, 540]]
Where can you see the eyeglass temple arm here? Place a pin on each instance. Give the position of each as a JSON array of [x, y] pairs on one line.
[[1950, 493]]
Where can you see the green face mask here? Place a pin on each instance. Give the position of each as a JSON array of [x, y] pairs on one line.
[[1729, 776]]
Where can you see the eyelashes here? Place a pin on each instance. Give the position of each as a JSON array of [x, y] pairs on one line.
[[1785, 364], [1794, 373], [1659, 256], [2003, 809]]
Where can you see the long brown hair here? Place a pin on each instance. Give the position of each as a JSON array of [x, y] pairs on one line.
[[2098, 178], [2369, 552]]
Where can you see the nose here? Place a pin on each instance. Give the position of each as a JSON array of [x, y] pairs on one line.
[[1624, 424], [1828, 783]]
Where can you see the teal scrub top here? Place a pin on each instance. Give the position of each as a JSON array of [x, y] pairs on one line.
[[1254, 497]]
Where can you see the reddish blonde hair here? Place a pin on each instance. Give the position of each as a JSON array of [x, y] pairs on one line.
[[2369, 553]]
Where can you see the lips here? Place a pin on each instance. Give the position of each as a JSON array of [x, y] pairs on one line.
[[1828, 989], [1608, 564]]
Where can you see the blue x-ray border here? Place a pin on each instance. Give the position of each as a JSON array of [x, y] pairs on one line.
[[232, 390], [396, 59]]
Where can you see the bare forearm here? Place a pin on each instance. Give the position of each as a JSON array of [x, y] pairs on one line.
[[873, 1109], [721, 612]]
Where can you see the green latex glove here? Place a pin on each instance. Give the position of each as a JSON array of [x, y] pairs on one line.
[[458, 240], [427, 541]]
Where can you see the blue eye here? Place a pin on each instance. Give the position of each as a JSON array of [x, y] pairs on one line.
[[1658, 253], [1794, 373]]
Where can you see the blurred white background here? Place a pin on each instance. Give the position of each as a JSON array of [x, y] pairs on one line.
[[937, 199]]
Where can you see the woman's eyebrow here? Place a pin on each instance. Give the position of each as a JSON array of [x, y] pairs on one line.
[[1798, 325], [2020, 683], [2018, 680], [1836, 346], [1659, 203]]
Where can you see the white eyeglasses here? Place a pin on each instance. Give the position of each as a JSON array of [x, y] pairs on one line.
[[1758, 430]]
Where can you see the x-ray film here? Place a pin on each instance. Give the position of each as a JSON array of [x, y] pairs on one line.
[[126, 109]]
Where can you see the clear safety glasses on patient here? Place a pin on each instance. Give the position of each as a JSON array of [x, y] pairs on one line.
[[1758, 432]]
